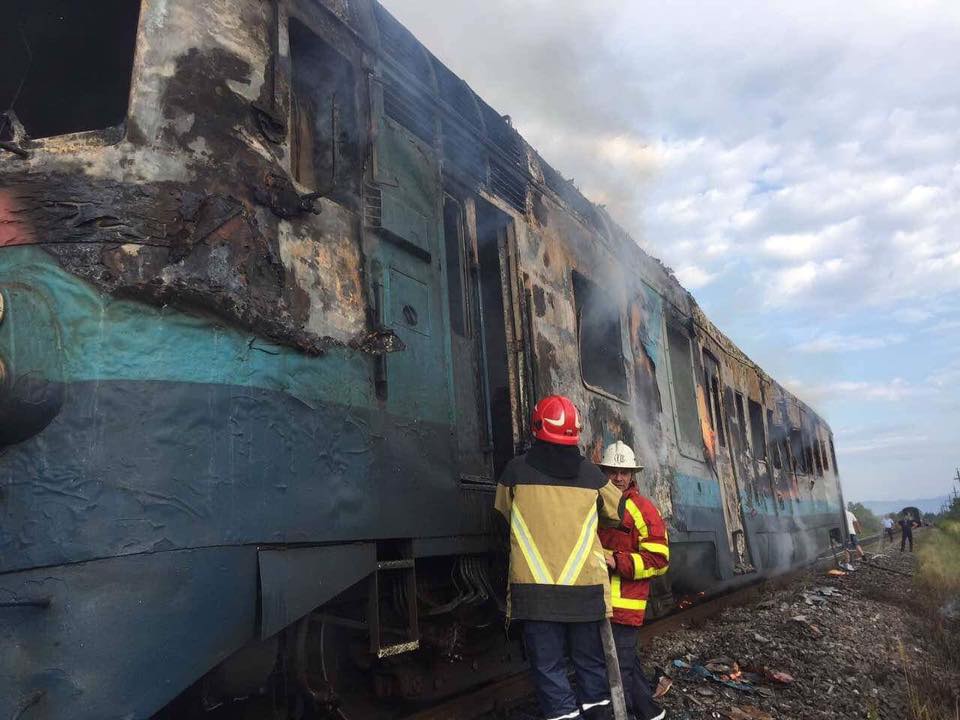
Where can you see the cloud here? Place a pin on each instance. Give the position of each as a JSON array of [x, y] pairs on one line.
[[946, 377], [693, 277], [799, 246], [799, 173], [789, 285], [912, 315], [944, 326], [884, 442], [892, 390], [832, 342]]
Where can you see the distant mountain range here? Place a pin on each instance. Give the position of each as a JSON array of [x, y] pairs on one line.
[[882, 507]]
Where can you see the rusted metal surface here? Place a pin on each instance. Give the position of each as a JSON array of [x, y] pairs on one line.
[[194, 206]]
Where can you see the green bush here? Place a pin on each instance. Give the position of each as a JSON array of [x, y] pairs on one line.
[[869, 523]]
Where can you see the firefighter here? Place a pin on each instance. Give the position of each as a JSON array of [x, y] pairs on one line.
[[635, 552], [553, 499]]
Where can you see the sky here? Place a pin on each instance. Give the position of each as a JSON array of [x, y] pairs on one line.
[[796, 163]]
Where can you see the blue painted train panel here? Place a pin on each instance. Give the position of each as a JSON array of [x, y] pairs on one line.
[[121, 637]]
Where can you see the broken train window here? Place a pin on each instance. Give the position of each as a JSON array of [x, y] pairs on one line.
[[756, 431], [815, 451], [796, 451], [684, 391], [601, 340], [741, 423], [775, 434], [807, 448], [326, 133], [711, 375], [66, 64]]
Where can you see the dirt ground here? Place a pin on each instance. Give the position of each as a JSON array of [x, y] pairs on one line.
[[826, 646]]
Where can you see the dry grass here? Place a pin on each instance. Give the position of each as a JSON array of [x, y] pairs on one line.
[[931, 695]]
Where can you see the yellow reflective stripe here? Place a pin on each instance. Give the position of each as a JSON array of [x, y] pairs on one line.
[[625, 604], [581, 550], [631, 507], [529, 548], [651, 572], [641, 571], [622, 602], [656, 548]]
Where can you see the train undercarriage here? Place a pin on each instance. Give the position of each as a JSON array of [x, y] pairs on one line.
[[370, 653]]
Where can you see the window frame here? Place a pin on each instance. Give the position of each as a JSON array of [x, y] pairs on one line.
[[795, 435], [714, 400], [338, 177], [773, 441], [684, 446], [107, 135], [578, 314], [760, 455], [815, 451], [741, 413]]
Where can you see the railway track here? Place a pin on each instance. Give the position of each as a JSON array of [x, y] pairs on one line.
[[513, 689]]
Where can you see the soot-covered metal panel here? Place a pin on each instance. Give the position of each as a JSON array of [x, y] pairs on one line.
[[121, 637], [185, 207], [294, 581]]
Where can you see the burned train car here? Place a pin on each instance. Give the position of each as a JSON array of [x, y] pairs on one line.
[[278, 291]]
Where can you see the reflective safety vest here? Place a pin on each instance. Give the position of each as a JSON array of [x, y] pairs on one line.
[[557, 568], [641, 552]]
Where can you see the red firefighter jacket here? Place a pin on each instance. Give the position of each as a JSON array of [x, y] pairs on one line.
[[640, 549]]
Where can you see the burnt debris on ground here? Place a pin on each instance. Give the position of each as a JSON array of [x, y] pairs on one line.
[[829, 645]]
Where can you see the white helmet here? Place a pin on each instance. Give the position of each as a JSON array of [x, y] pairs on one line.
[[620, 455]]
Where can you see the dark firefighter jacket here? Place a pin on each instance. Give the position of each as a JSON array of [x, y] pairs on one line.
[[641, 551], [557, 568]]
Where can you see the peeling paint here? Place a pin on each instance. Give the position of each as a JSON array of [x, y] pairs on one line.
[[191, 266]]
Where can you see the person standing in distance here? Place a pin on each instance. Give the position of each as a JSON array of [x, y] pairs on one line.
[[888, 528], [907, 524], [636, 552], [552, 499], [853, 542]]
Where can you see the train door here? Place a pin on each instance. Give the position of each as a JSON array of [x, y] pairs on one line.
[[403, 248], [741, 465], [730, 490], [498, 305], [476, 243]]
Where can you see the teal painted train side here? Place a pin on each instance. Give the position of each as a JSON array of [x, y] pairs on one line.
[[266, 343], [196, 434]]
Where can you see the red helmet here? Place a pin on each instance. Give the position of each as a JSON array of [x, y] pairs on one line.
[[556, 420]]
